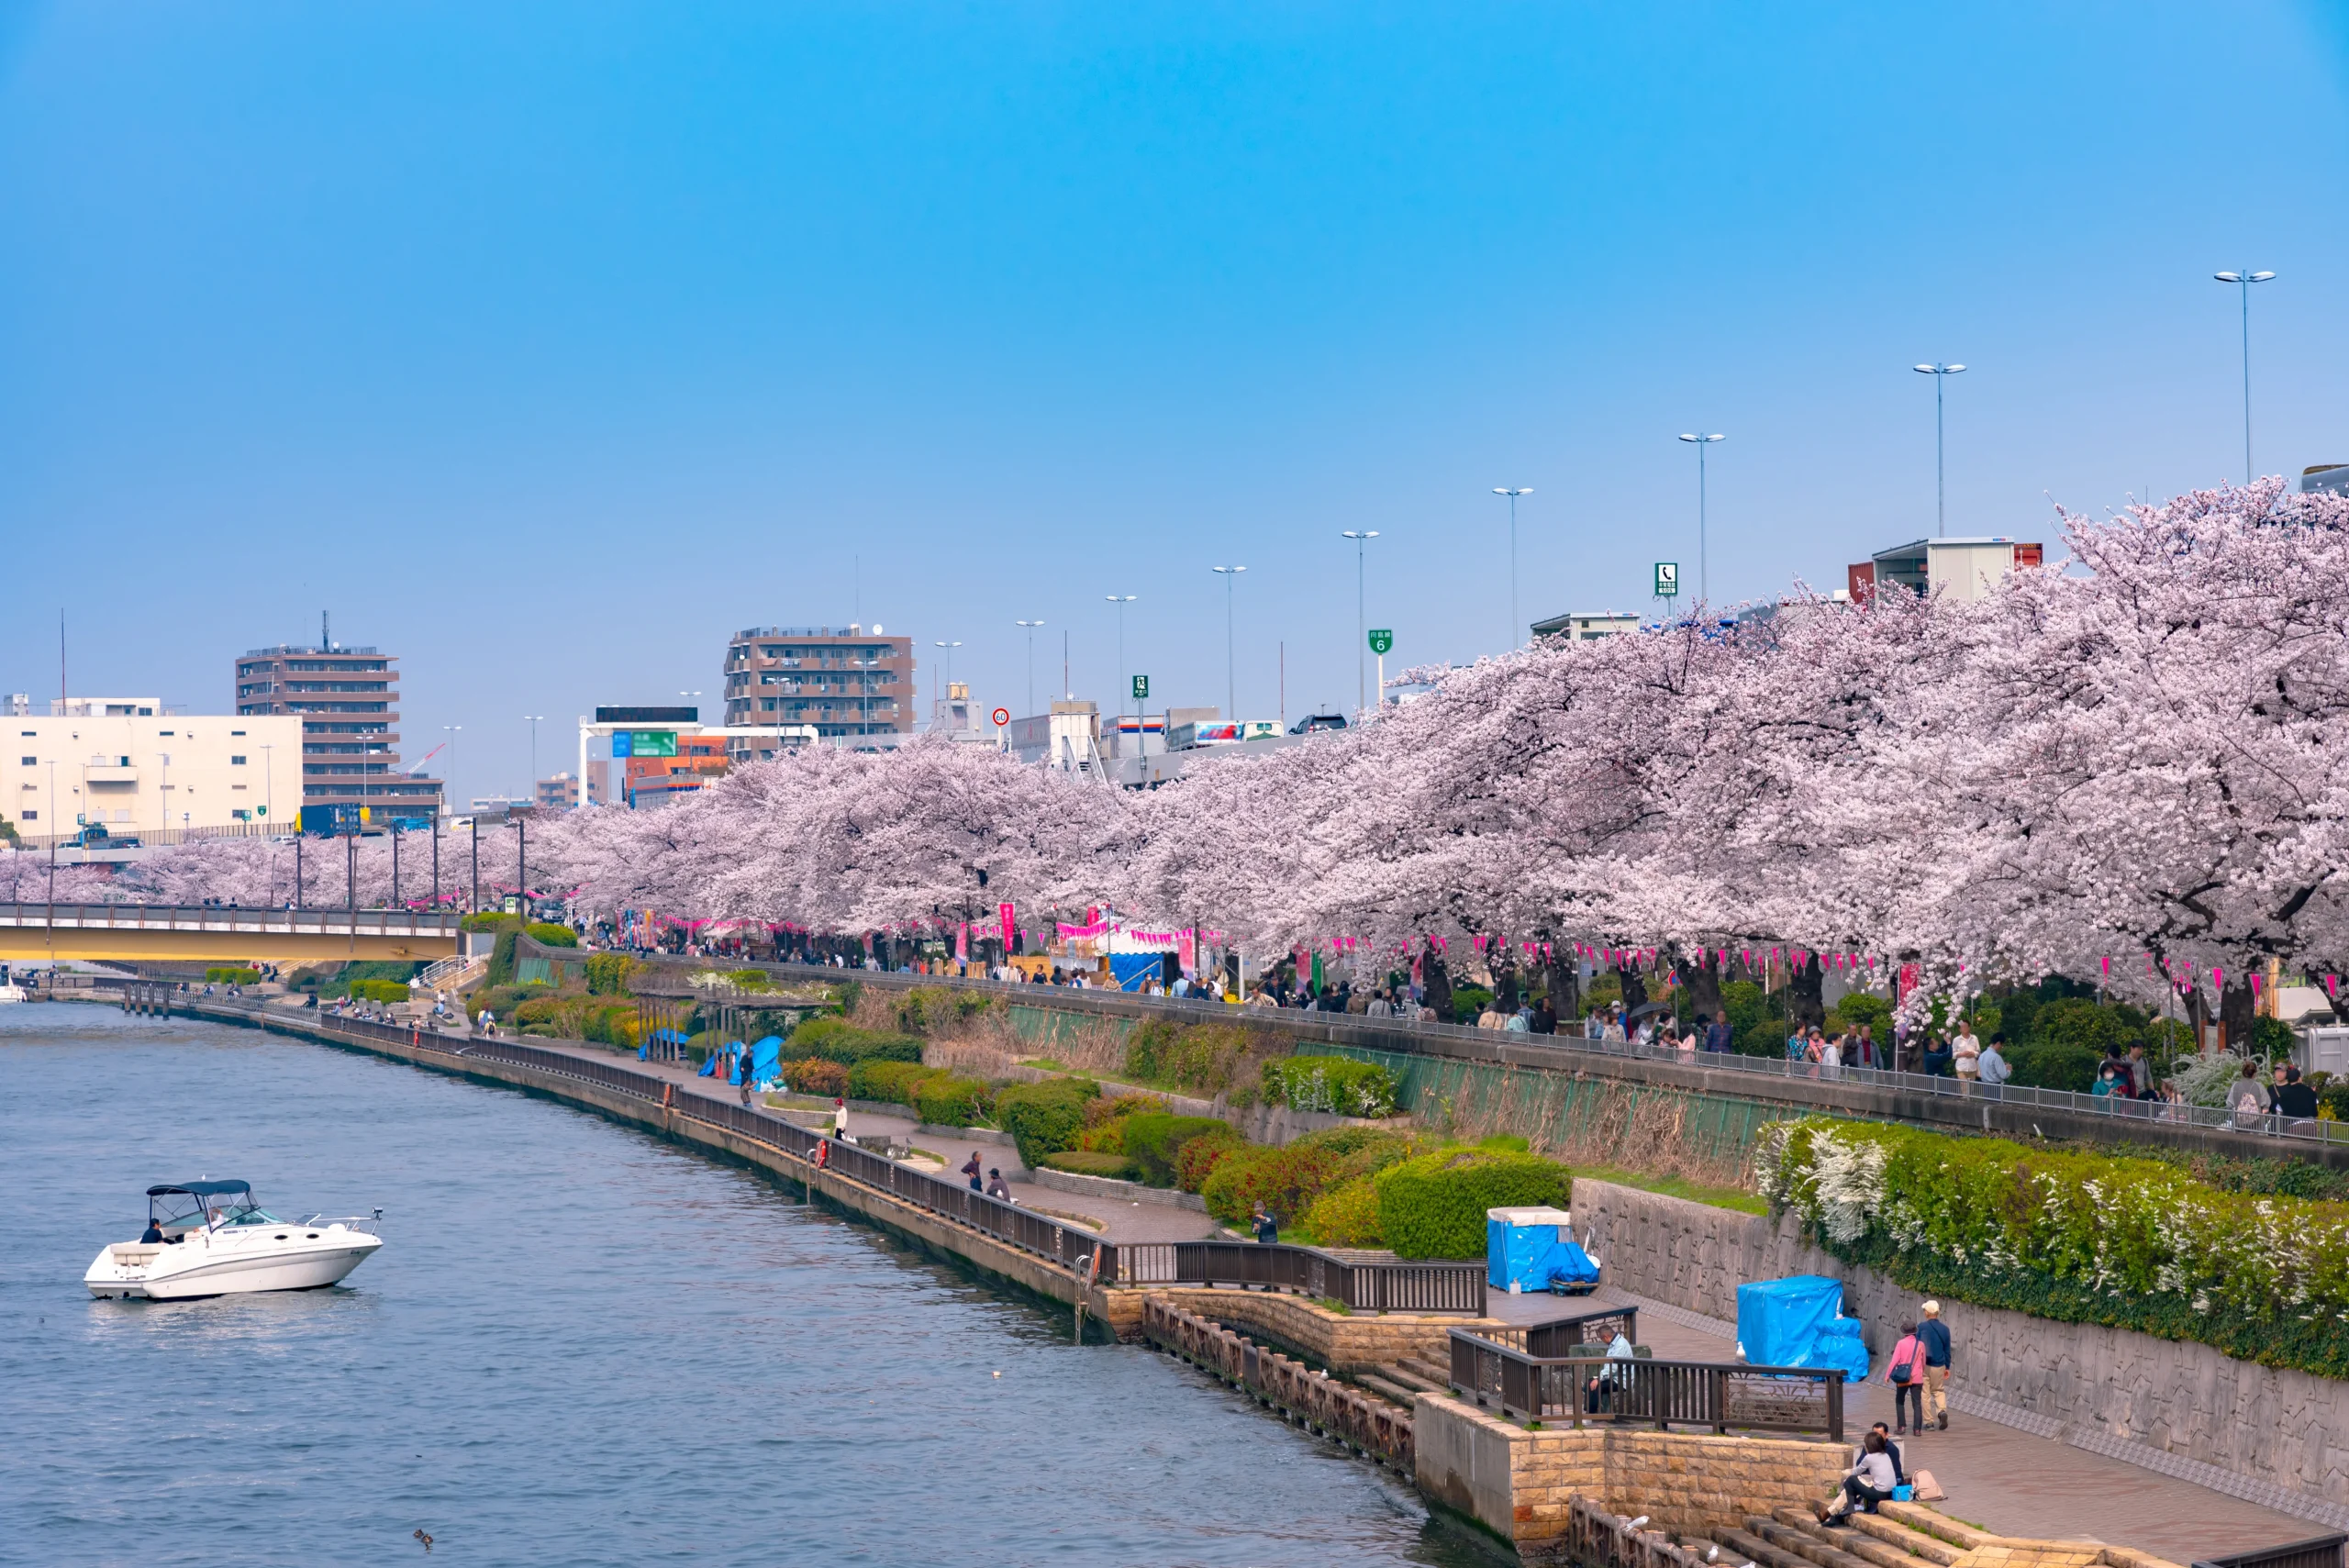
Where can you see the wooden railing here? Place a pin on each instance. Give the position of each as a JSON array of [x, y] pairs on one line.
[[1719, 1395]]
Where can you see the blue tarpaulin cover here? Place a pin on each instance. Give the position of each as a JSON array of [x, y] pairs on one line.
[[1132, 968], [766, 1059], [1796, 1322], [1530, 1249]]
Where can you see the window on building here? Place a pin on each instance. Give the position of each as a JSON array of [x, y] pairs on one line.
[[236, 762], [29, 815], [29, 761]]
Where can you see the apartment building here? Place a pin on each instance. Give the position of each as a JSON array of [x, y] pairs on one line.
[[146, 773], [348, 702], [838, 679]]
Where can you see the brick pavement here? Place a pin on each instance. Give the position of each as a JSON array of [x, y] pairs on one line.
[[1999, 1478]]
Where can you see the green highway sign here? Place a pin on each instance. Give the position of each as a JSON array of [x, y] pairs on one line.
[[1382, 641], [1667, 579], [1141, 688]]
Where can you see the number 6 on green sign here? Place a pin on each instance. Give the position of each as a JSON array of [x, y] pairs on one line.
[[1382, 641]]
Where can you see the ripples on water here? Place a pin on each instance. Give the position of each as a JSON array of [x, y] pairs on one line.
[[579, 1345]]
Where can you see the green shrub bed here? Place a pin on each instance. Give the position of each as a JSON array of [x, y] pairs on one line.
[[2076, 1237], [1155, 1142], [1044, 1119], [814, 1075], [229, 974], [607, 973], [1091, 1162], [834, 1039], [547, 934], [1336, 1084], [1433, 1206]]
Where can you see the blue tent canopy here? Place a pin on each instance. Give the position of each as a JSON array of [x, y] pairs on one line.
[[201, 1189], [1798, 1321], [1132, 968]]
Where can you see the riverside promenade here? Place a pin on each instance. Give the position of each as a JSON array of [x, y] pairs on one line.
[[2003, 1480]]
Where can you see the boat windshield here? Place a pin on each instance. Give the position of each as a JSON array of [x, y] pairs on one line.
[[177, 1210]]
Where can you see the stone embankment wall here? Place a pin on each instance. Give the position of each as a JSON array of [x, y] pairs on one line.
[[1342, 1341], [2113, 1390], [1520, 1484]]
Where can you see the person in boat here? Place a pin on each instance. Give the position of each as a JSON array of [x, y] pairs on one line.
[[153, 1235]]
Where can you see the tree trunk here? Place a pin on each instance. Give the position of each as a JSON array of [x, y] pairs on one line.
[[1504, 966], [2235, 1013], [1565, 982], [1806, 1002], [1702, 978], [1437, 982], [1635, 989]]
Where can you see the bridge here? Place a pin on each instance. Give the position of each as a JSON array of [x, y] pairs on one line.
[[38, 933]]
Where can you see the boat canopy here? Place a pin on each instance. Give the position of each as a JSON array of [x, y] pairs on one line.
[[201, 1189]]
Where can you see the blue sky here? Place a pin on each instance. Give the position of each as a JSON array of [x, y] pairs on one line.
[[549, 344]]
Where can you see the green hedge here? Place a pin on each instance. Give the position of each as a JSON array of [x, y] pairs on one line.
[[1092, 1162], [501, 959], [883, 1078], [380, 991], [547, 934], [1154, 1140], [1044, 1119], [488, 920], [607, 973], [1201, 1155], [229, 974], [942, 1099], [2054, 1065], [1286, 1181], [835, 1039], [2076, 1237], [1433, 1207], [1338, 1083]]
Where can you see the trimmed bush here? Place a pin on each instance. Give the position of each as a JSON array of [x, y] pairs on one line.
[[548, 934], [1201, 1155], [2075, 1237], [1091, 1162], [944, 1100], [878, 1079], [1433, 1207], [837, 1041], [607, 973], [1044, 1119], [386, 991], [1286, 1181], [230, 975], [538, 1010], [2054, 1065], [1205, 1058], [1347, 1215], [1338, 1083], [816, 1076], [1102, 1137], [936, 1006], [501, 958], [1153, 1141], [489, 921]]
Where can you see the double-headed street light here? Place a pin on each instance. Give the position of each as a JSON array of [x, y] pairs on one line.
[[534, 718], [1704, 586], [1030, 627], [1941, 375], [2243, 280], [935, 699], [1230, 575], [1512, 495], [1362, 636], [1121, 601]]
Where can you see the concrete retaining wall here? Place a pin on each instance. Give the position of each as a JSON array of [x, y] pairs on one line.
[[2283, 1435], [1519, 1483], [1124, 1192]]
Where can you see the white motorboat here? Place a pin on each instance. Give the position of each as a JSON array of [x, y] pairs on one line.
[[211, 1239]]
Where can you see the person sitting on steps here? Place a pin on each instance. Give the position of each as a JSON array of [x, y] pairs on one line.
[[1869, 1482]]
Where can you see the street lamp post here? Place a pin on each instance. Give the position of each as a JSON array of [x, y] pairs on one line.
[[268, 781], [1362, 538], [1704, 587], [1121, 601], [1512, 495], [2243, 280], [1230, 575], [449, 768], [936, 697], [1030, 627], [1941, 375], [534, 718]]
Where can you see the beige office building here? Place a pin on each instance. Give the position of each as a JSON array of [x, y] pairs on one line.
[[146, 773]]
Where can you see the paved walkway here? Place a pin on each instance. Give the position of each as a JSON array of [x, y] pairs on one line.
[[1120, 1221], [1997, 1478]]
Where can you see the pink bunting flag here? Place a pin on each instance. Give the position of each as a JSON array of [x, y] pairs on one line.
[[2254, 987], [2219, 978], [2330, 987], [2107, 963]]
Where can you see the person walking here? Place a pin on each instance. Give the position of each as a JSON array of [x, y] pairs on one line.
[[840, 1118], [1995, 1070], [1267, 1229], [2247, 1097], [1966, 1056], [1932, 1335], [1906, 1373], [1717, 1036]]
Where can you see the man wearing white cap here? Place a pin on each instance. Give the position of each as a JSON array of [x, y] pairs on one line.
[[1933, 1335]]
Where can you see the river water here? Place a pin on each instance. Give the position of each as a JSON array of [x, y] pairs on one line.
[[579, 1345]]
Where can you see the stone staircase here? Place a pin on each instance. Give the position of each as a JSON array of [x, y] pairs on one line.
[[1905, 1535], [1403, 1381]]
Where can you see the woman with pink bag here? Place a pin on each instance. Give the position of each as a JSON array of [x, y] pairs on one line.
[[1907, 1376]]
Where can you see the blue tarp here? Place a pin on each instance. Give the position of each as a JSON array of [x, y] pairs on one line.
[[766, 1059], [1132, 968], [1797, 1322], [1532, 1249]]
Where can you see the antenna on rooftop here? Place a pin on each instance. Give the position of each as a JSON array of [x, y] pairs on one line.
[[326, 638]]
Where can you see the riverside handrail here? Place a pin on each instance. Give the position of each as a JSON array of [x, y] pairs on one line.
[[327, 919], [1718, 1395], [1363, 1285], [2319, 1551], [1560, 1336], [1565, 1049]]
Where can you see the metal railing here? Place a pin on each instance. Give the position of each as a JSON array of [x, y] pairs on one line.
[[1363, 1285], [1719, 1396], [202, 917], [1563, 1335], [1571, 1051], [2322, 1552]]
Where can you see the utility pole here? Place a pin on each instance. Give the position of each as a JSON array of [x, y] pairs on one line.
[[1229, 574], [1361, 539], [1512, 492]]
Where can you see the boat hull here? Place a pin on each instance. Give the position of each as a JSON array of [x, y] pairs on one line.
[[188, 1272]]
